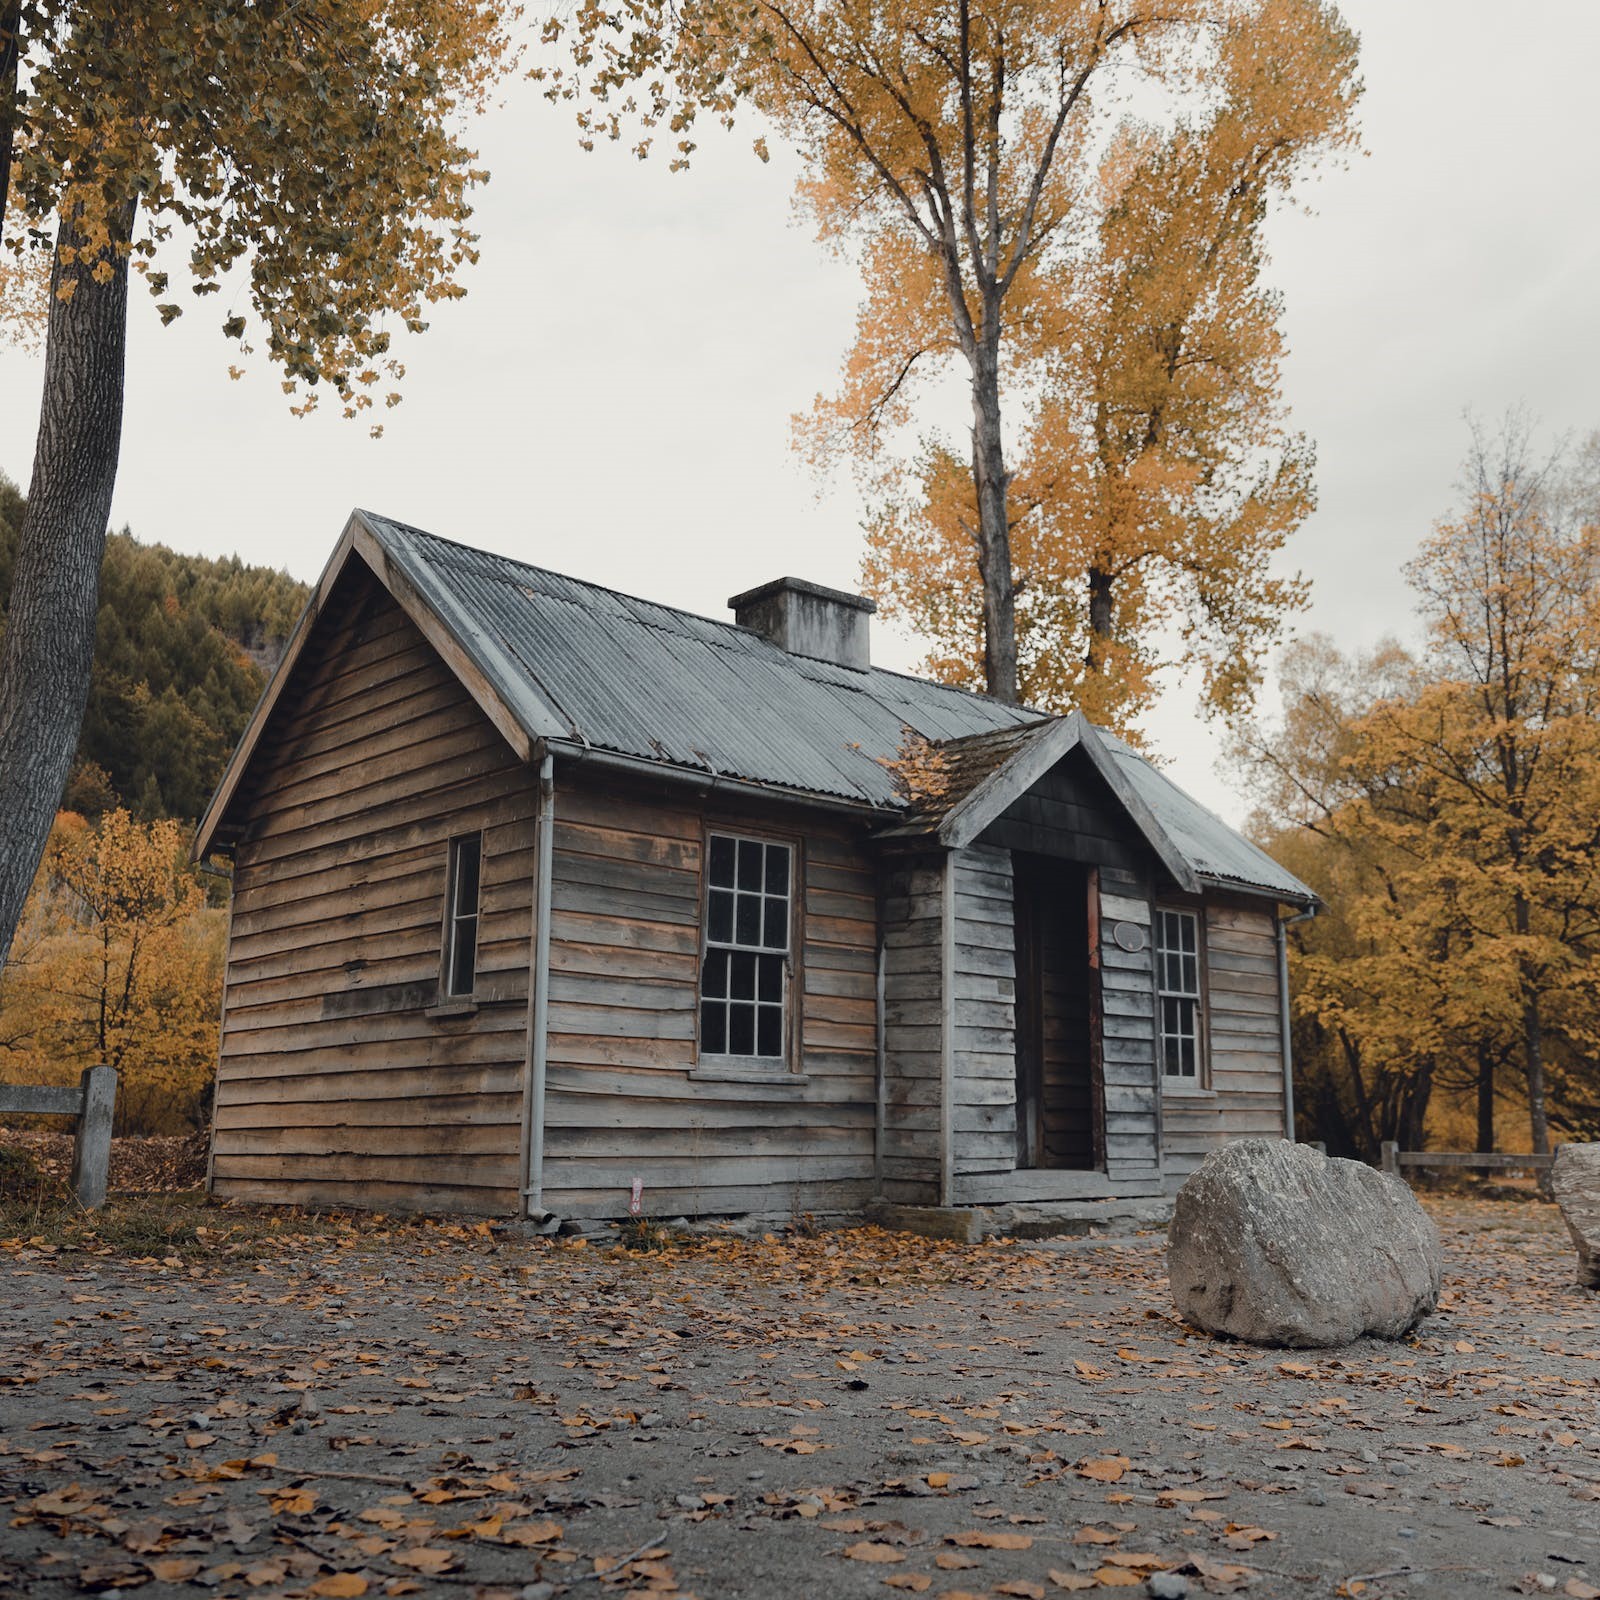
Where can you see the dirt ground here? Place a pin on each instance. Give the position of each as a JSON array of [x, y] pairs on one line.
[[442, 1410]]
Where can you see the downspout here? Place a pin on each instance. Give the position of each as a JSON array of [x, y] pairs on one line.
[[882, 1043], [1280, 926], [539, 997], [947, 1033]]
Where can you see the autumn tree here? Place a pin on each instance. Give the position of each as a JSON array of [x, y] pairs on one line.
[[313, 145], [1156, 477], [954, 144], [1470, 789], [119, 961]]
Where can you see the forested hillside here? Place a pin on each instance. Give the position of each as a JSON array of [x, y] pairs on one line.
[[182, 649]]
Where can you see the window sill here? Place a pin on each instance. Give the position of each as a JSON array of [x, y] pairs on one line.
[[1173, 1091], [777, 1076], [456, 1006]]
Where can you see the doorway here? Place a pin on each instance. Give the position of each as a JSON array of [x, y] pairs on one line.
[[1060, 1106]]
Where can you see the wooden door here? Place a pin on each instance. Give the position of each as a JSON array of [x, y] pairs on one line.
[[1059, 1114]]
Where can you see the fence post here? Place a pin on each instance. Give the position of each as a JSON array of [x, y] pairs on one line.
[[1391, 1157], [91, 1144]]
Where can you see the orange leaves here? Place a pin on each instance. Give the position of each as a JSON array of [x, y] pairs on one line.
[[339, 1586], [1103, 1469], [990, 1539], [290, 1502], [427, 1559], [872, 1551]]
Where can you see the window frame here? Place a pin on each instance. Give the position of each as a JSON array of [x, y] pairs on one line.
[[454, 917], [727, 1067], [1175, 1083]]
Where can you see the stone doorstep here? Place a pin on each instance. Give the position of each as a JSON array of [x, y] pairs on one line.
[[1051, 1219]]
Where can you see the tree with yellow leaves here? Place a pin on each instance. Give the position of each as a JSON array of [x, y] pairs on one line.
[[312, 144], [119, 962], [958, 144], [1469, 790], [1156, 477]]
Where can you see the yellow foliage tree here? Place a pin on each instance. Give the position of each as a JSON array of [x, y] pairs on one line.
[[1156, 477], [119, 961], [1466, 790], [313, 144], [958, 145]]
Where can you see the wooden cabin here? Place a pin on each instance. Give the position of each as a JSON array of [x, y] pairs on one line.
[[545, 896]]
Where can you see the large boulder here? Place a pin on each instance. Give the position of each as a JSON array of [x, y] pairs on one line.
[[1575, 1181], [1274, 1243]]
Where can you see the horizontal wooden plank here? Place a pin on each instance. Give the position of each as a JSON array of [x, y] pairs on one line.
[[412, 1197], [41, 1099]]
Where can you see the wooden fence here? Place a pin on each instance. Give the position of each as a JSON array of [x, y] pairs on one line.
[[90, 1103], [1394, 1158]]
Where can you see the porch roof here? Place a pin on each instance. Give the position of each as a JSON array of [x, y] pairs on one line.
[[985, 772]]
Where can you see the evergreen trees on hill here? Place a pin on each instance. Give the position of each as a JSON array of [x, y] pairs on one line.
[[183, 646]]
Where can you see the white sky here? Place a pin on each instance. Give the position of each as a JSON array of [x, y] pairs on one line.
[[613, 397]]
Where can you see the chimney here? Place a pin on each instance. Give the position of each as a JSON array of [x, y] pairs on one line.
[[807, 620]]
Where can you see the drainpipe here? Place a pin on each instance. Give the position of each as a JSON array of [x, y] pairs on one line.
[[882, 1086], [1285, 1025], [539, 999]]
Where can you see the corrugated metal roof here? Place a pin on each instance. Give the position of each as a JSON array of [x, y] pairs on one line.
[[639, 679], [1218, 853]]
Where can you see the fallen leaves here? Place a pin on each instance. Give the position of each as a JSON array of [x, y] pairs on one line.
[[870, 1550], [991, 1539], [339, 1586]]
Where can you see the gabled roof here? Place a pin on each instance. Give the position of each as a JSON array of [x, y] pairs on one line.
[[557, 663], [986, 772]]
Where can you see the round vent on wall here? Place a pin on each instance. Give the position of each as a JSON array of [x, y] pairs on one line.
[[1129, 936]]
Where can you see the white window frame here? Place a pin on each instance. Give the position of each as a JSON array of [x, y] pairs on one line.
[[725, 1062], [1193, 999], [457, 916]]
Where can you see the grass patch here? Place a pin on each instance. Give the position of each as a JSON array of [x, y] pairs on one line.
[[187, 1228]]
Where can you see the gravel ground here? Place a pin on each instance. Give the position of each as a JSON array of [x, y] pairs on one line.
[[446, 1410]]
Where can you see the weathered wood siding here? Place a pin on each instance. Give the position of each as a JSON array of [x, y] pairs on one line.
[[984, 1014], [1071, 814], [1128, 1031], [982, 1018], [913, 1009], [334, 1082], [622, 1097], [1245, 1097]]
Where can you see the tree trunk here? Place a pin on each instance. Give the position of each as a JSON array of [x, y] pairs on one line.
[[994, 528], [10, 54], [1102, 618], [55, 588], [1485, 1099], [1533, 1061]]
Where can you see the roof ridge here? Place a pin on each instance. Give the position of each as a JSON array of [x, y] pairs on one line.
[[1024, 712]]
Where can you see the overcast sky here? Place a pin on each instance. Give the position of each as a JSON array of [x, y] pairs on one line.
[[613, 396]]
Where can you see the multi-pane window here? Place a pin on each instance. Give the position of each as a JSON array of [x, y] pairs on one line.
[[1178, 994], [744, 978], [461, 914]]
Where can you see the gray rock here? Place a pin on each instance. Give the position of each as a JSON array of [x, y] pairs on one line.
[[1275, 1244], [1168, 1585], [1575, 1181]]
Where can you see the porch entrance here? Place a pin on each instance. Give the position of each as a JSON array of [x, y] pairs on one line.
[[1060, 1103]]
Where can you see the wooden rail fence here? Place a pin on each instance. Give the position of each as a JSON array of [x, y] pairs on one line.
[[1394, 1158], [90, 1103]]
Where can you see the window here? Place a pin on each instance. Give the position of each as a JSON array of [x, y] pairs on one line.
[[744, 978], [1178, 996], [461, 914]]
